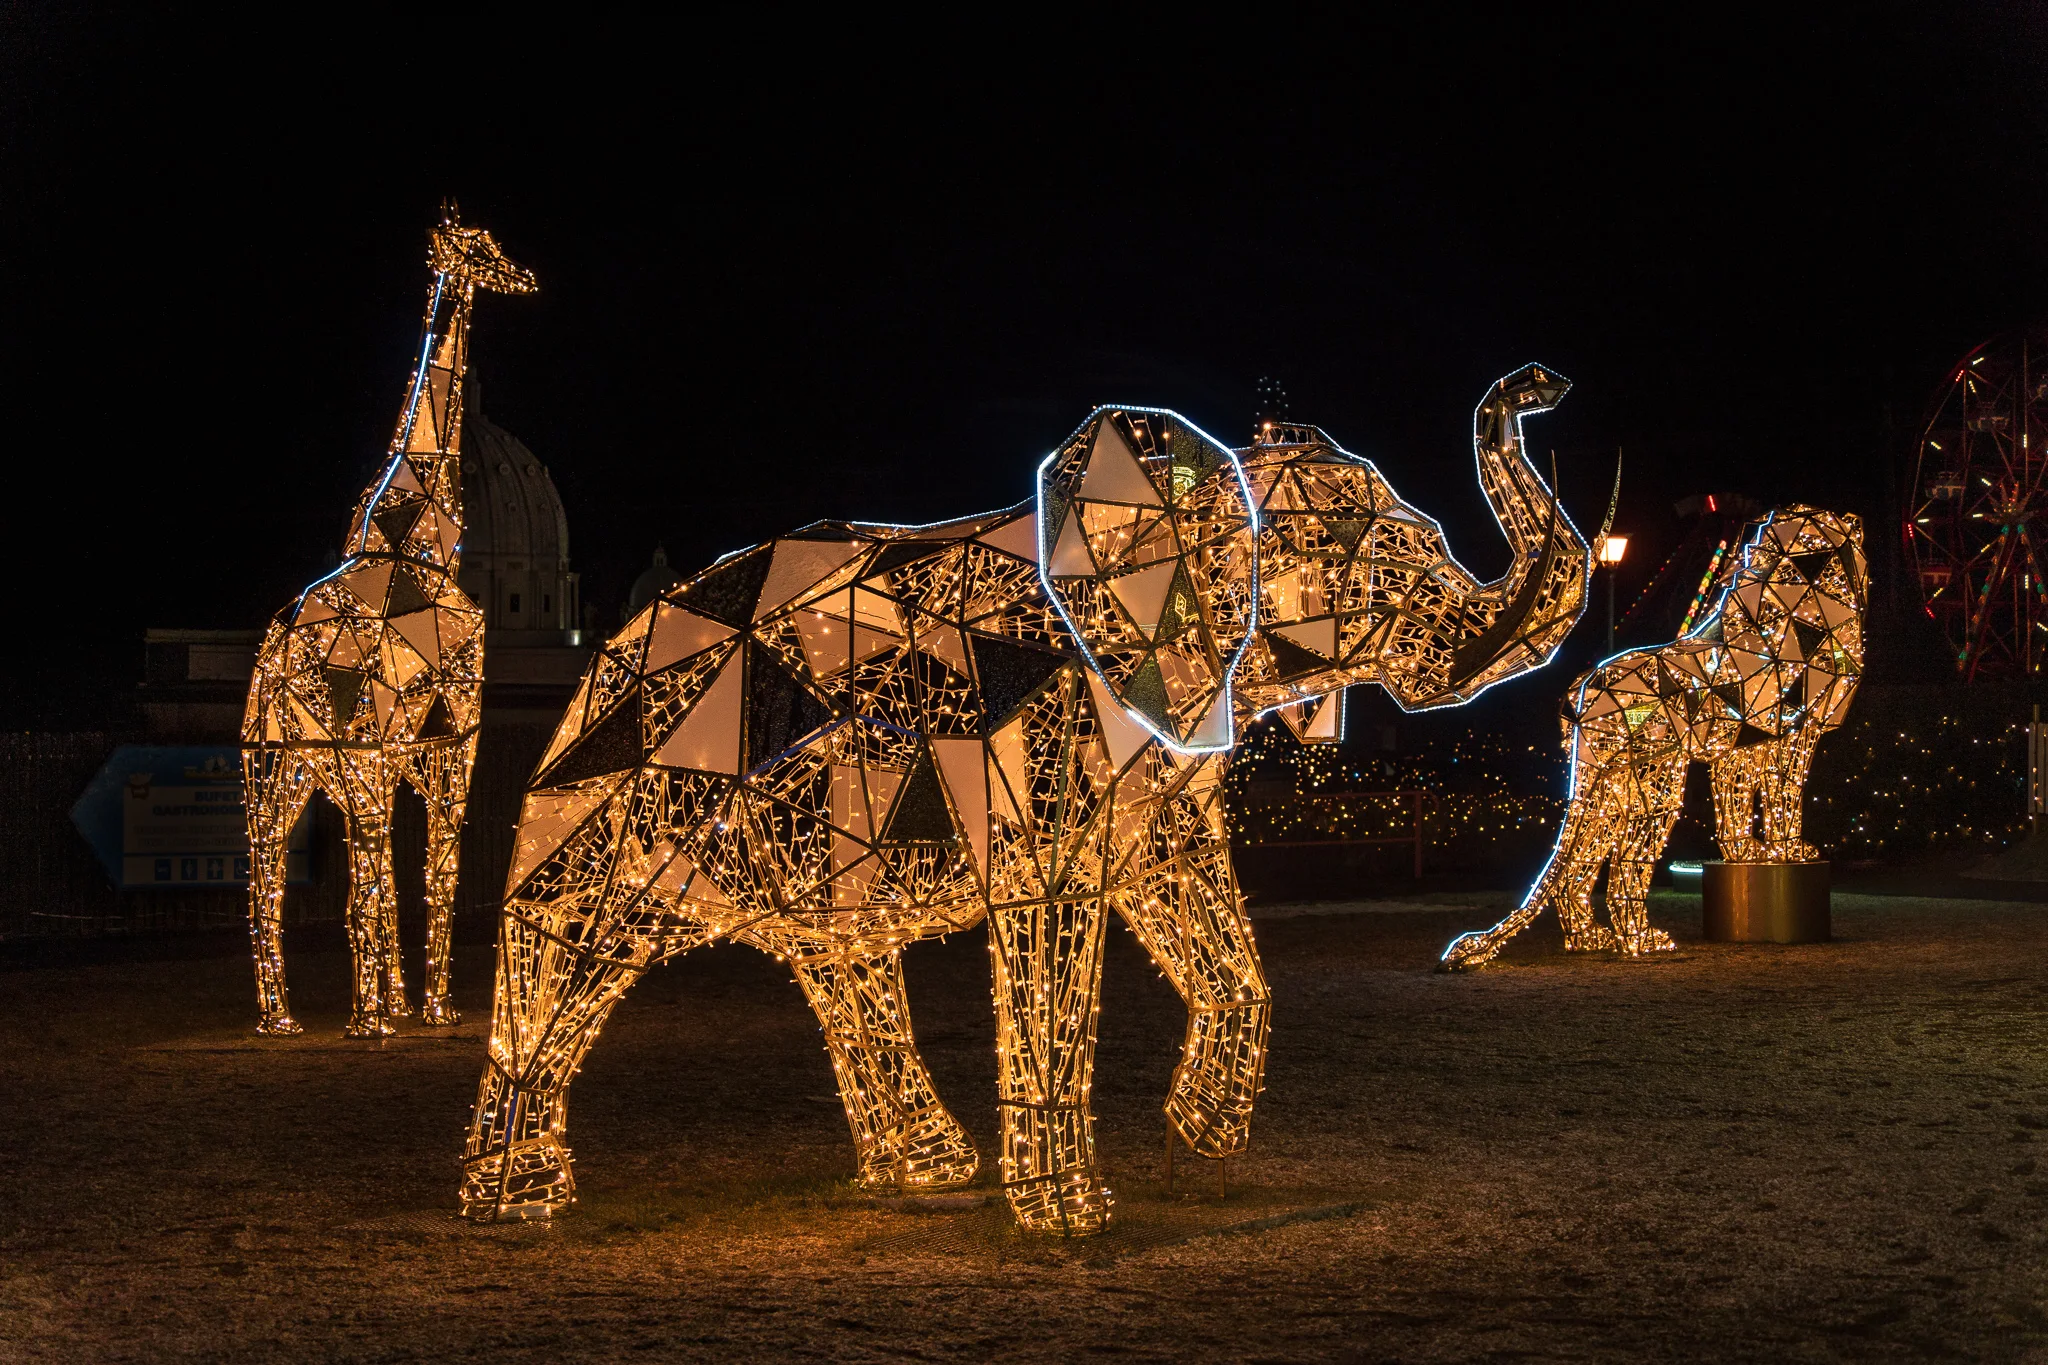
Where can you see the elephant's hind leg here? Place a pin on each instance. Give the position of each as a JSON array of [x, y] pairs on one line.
[[904, 1136], [277, 784]]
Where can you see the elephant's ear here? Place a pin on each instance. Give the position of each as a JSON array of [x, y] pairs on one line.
[[1148, 546]]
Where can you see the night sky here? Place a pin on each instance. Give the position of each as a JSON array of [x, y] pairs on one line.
[[851, 274]]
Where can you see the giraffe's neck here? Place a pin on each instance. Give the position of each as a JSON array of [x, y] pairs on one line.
[[413, 509]]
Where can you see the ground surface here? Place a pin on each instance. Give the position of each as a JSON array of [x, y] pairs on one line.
[[1832, 1152]]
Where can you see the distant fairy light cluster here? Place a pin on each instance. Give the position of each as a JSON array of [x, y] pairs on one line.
[[1882, 789], [1474, 784]]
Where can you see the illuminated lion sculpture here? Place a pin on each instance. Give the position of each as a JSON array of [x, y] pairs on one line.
[[1750, 691], [857, 736]]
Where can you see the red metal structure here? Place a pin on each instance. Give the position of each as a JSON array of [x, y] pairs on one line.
[[1976, 524]]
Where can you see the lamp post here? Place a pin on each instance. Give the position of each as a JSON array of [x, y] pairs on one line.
[[1611, 550]]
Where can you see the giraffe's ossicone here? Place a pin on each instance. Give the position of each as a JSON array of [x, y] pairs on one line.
[[1749, 691], [374, 675]]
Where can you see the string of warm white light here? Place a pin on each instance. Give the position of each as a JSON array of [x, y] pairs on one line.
[[374, 676], [1750, 692], [857, 736]]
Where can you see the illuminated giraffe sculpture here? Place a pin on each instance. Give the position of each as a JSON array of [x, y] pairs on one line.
[[1749, 691], [375, 675], [857, 736]]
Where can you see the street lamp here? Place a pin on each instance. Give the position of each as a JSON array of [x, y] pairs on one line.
[[1611, 550]]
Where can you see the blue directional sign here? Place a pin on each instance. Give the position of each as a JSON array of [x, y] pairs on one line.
[[172, 818]]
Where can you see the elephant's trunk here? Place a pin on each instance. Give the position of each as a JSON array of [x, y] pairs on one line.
[[1515, 623]]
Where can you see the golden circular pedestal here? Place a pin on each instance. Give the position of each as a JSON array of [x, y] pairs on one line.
[[1766, 902]]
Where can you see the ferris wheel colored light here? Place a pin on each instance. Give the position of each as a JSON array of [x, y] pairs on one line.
[[1977, 513]]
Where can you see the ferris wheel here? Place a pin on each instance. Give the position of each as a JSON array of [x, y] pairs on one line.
[[1977, 514]]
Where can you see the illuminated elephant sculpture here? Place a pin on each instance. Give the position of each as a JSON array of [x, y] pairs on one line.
[[1750, 691], [857, 736]]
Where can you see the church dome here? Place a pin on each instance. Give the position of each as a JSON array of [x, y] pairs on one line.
[[509, 503], [654, 580], [515, 541]]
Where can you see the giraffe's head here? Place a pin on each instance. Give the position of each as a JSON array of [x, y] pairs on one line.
[[470, 255]]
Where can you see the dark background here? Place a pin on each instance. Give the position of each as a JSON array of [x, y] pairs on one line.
[[876, 273]]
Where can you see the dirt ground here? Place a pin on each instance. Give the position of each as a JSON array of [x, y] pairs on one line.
[[1745, 1153]]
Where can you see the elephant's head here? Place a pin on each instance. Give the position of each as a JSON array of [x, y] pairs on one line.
[[1207, 584], [1148, 545]]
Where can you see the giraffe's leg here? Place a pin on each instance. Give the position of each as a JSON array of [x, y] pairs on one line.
[[1048, 984], [903, 1136], [1635, 858], [391, 961], [1188, 914], [1783, 788], [442, 774], [276, 784], [368, 807]]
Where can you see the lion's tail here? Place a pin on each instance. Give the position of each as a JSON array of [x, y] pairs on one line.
[[1477, 949]]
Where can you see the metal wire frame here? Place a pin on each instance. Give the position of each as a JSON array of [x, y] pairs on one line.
[[374, 675], [858, 736], [1751, 691]]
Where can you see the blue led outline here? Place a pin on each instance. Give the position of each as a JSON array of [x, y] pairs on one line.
[[1223, 697], [1521, 453], [1579, 705], [1244, 486], [412, 408]]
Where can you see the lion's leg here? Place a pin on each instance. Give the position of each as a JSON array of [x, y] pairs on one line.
[[1735, 806], [1783, 788], [1642, 842], [1597, 807], [904, 1136]]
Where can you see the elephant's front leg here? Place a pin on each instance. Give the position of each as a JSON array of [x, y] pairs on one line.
[[1048, 982], [1187, 912], [551, 999], [904, 1136]]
